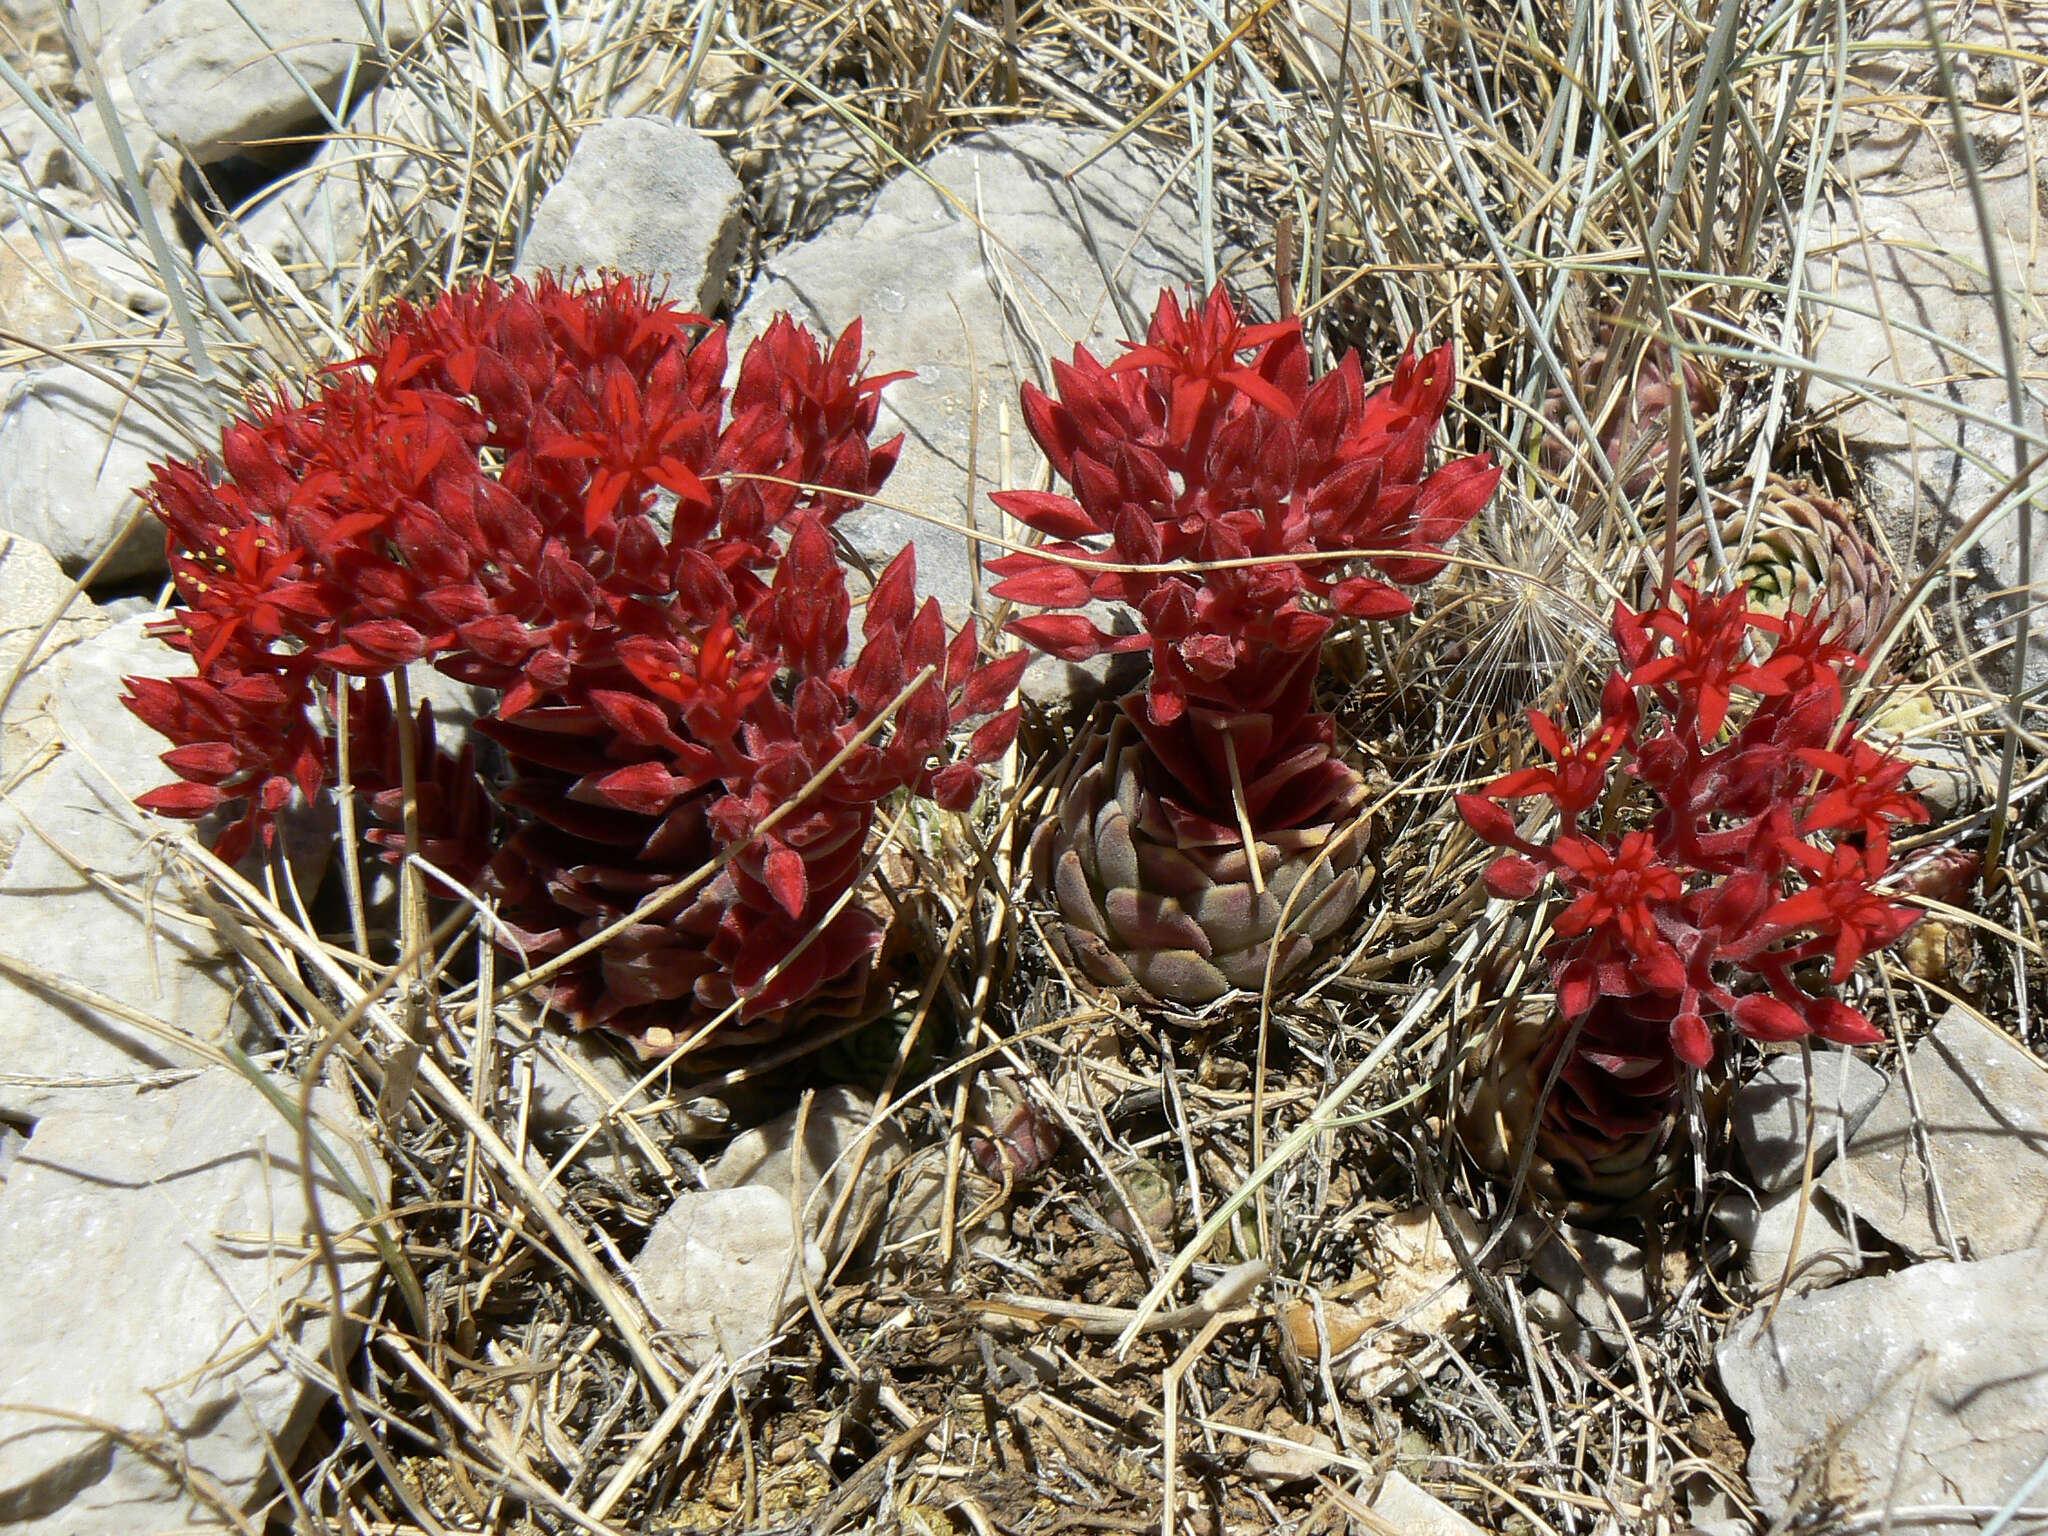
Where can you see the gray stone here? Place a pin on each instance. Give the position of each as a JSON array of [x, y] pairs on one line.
[[842, 1143], [206, 80], [718, 1271], [32, 150], [644, 196], [99, 21], [157, 1282], [84, 756], [928, 288], [577, 1078], [1947, 778], [1296, 1453], [1903, 243], [1414, 1512], [1550, 1314], [1927, 1387], [1588, 1268], [32, 588], [159, 163], [1764, 1232], [76, 449], [318, 224], [1981, 1126], [1769, 1113], [1315, 49]]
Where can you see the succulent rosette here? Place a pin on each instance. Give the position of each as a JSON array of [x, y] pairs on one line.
[[1207, 840], [1802, 551], [1722, 846], [550, 492]]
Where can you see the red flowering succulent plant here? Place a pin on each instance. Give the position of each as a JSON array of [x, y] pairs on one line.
[[1746, 889], [1242, 508], [548, 491]]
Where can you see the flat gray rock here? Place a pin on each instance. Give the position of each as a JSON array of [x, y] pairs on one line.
[[1825, 1253], [1896, 280], [718, 1272], [1769, 1113], [69, 815], [77, 449], [32, 588], [157, 1282], [1924, 1388], [976, 313], [378, 174], [1981, 1127], [210, 76], [1588, 1269], [645, 196], [843, 1150], [1415, 1512]]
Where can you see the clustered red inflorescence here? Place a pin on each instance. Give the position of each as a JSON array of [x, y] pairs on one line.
[[1266, 492], [1241, 508], [549, 491], [1751, 887]]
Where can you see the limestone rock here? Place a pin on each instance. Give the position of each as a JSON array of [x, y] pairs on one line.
[[1764, 1231], [1413, 1512], [931, 290], [644, 196], [153, 1243], [32, 587], [1903, 244], [215, 83], [76, 448], [1983, 1113], [381, 172], [834, 1130], [1296, 1453], [99, 21], [63, 819], [1769, 1113], [1927, 1387], [719, 1271]]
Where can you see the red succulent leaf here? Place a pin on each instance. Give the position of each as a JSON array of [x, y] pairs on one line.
[[1512, 877], [187, 801], [1762, 1017], [1066, 636], [1057, 517]]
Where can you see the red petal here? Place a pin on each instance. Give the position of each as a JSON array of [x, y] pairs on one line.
[[1487, 819]]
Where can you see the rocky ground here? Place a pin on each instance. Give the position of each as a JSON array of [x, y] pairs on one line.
[[549, 1291]]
